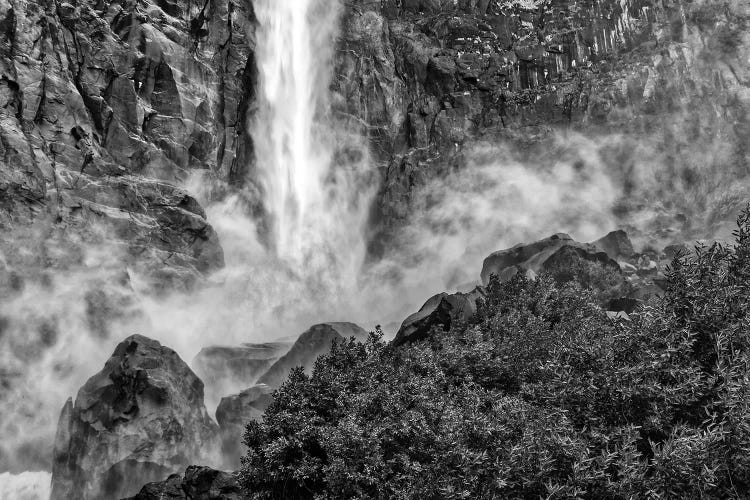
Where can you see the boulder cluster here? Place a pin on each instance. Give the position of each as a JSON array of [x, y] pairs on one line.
[[640, 275], [142, 418]]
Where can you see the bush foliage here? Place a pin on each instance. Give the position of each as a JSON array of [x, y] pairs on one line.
[[540, 396]]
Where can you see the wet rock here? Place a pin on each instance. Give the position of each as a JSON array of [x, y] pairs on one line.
[[198, 483], [429, 81], [226, 370], [139, 419], [559, 251], [306, 349], [647, 267], [617, 245], [105, 109], [233, 414], [442, 310]]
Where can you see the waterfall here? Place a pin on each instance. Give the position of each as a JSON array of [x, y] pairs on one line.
[[294, 53]]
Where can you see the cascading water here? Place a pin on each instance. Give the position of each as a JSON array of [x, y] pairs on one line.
[[294, 56]]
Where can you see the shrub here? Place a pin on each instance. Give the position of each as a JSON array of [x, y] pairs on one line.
[[539, 396]]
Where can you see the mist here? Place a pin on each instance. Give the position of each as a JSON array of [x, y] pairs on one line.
[[304, 260]]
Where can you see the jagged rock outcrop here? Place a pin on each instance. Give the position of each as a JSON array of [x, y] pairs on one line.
[[616, 245], [139, 419], [105, 108], [198, 483], [430, 81], [559, 250], [440, 310], [312, 343]]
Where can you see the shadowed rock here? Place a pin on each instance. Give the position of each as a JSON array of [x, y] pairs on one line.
[[311, 344], [617, 245], [553, 252], [233, 414], [198, 483], [139, 419], [440, 310]]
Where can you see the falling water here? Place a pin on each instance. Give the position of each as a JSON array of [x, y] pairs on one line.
[[295, 64]]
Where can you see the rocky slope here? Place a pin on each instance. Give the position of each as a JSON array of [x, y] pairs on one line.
[[105, 108], [660, 83]]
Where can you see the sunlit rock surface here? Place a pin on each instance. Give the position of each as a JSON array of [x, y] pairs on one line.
[[139, 419]]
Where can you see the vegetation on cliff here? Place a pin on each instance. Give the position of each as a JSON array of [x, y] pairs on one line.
[[539, 396]]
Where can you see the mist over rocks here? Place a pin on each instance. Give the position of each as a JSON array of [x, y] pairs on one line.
[[233, 413], [227, 369], [105, 110], [543, 255], [647, 81], [139, 419], [126, 130], [312, 343]]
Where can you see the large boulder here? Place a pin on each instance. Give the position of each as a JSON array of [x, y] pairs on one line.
[[441, 310], [311, 344], [555, 252], [198, 483], [139, 419], [617, 245]]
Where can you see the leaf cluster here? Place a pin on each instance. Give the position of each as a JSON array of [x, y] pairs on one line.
[[539, 396]]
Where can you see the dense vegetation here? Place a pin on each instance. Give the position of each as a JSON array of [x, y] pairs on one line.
[[541, 396]]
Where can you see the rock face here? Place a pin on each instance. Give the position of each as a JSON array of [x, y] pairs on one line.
[[238, 409], [311, 344], [429, 81], [559, 250], [139, 419], [440, 310], [616, 245], [104, 108], [198, 483]]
